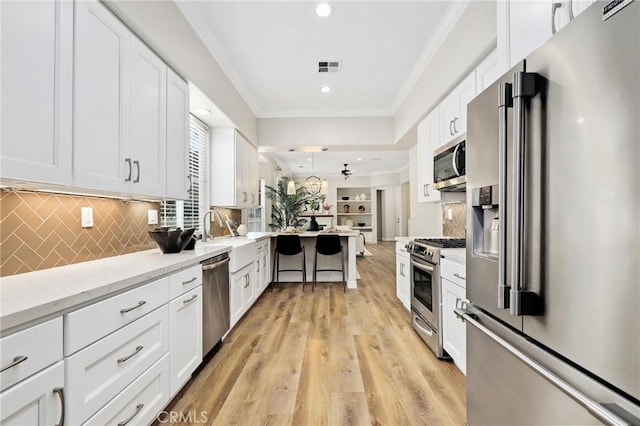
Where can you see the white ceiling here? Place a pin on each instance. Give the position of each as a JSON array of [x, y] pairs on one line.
[[270, 51]]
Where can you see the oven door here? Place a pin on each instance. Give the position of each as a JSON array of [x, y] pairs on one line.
[[425, 289]]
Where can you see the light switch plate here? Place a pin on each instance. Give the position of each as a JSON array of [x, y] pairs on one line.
[[86, 217], [153, 217]]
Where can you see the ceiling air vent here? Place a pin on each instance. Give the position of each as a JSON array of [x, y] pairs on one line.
[[328, 66]]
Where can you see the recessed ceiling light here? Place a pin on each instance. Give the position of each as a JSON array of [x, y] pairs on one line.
[[202, 111], [359, 159], [308, 159], [325, 89], [323, 10]]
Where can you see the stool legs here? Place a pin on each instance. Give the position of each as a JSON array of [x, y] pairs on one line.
[[315, 270], [273, 270]]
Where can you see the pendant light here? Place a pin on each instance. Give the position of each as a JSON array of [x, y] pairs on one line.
[[291, 186], [313, 184]]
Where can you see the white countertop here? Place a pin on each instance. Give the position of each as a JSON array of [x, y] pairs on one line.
[[315, 234], [455, 254], [33, 295]]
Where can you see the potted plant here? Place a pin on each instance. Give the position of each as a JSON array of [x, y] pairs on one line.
[[286, 209]]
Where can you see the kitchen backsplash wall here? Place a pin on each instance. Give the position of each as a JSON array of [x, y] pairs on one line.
[[456, 226], [40, 230], [234, 214]]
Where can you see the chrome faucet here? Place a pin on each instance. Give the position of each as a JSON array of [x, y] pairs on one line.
[[205, 225]]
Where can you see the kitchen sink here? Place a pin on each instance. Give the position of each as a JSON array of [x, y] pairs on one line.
[[243, 253]]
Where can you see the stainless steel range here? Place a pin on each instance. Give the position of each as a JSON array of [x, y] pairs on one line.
[[426, 311]]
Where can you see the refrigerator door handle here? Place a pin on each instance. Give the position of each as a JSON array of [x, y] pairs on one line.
[[522, 302], [505, 102], [598, 410]]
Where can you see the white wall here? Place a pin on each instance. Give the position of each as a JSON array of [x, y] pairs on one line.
[[425, 219], [325, 131], [471, 38], [161, 25]]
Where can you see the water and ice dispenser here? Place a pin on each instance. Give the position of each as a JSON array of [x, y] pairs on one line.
[[485, 211]]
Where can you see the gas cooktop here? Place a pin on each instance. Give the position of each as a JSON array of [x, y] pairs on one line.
[[443, 242]]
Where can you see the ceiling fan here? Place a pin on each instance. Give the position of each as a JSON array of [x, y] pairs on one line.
[[346, 172]]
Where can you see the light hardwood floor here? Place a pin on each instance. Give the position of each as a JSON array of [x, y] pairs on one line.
[[327, 357]]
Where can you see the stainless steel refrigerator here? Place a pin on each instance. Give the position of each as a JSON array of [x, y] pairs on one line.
[[553, 152]]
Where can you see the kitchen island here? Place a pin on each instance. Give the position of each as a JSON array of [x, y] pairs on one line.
[[308, 239]]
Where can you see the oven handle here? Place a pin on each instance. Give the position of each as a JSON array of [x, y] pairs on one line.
[[421, 266], [426, 330]]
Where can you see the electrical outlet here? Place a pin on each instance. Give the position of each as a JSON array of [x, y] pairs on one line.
[[86, 217], [153, 217]]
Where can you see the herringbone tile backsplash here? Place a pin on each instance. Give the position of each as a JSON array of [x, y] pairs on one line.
[[40, 230]]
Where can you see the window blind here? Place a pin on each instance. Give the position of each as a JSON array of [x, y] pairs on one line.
[[187, 213]]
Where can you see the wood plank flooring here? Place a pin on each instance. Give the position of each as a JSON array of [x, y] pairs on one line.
[[327, 357]]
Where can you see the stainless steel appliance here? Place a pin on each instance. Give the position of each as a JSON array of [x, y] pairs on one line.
[[426, 312], [553, 324], [215, 309], [449, 166]]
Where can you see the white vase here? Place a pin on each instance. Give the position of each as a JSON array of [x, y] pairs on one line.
[[242, 229]]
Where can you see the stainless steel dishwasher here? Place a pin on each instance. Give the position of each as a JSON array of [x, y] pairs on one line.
[[215, 303]]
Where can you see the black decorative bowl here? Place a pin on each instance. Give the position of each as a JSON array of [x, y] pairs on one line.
[[171, 240], [361, 224], [345, 198]]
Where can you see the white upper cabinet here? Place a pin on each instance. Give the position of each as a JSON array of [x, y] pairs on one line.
[[36, 79], [531, 23], [453, 110], [178, 179], [130, 112], [428, 136], [234, 175], [148, 137], [488, 71], [101, 158]]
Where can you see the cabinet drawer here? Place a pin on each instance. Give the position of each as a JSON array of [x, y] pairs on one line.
[[141, 401], [262, 245], [86, 325], [29, 351], [98, 373], [183, 281], [454, 272]]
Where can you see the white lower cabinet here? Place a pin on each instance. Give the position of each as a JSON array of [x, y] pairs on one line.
[[454, 333], [35, 401], [99, 372], [242, 292], [185, 336], [403, 279], [141, 402]]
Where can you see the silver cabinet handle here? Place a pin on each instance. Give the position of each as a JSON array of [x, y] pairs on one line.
[[258, 263], [505, 101], [215, 265], [137, 164], [140, 303], [264, 261], [244, 196], [16, 360], [454, 125], [450, 128], [253, 198], [60, 392], [189, 281], [126, 421], [594, 408], [194, 297], [459, 276], [128, 357], [402, 269], [425, 190], [190, 183], [128, 161], [554, 9]]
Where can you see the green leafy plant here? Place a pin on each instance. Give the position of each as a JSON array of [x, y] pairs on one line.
[[286, 209]]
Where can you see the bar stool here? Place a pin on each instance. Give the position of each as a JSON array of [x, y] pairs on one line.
[[328, 245], [288, 245]]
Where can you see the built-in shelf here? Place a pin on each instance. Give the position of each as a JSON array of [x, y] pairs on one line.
[[354, 201], [353, 214], [362, 228]]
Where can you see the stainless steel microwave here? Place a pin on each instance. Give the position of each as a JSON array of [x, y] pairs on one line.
[[449, 166]]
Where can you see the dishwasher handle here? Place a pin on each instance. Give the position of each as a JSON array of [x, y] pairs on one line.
[[215, 265]]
